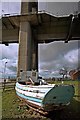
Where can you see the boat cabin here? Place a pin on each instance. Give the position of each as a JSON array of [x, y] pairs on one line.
[[30, 78]]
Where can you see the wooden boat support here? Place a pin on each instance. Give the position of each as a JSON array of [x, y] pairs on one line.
[[34, 107], [37, 108]]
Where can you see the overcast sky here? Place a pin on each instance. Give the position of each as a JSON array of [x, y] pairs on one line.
[[52, 56]]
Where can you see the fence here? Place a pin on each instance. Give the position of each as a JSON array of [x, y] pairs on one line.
[[7, 85]]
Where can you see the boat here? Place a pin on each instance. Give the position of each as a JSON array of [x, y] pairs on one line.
[[41, 95]]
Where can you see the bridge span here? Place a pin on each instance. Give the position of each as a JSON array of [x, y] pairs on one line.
[[32, 27]]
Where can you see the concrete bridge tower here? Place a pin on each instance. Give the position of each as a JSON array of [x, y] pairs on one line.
[[28, 46]]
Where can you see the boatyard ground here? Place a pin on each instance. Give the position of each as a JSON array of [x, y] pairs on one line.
[[13, 108]]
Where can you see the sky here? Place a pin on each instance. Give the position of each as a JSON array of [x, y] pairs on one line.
[[52, 57], [59, 55]]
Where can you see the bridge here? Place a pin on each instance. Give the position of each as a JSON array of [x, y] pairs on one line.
[[32, 27]]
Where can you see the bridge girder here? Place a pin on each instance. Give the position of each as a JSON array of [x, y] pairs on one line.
[[45, 27]]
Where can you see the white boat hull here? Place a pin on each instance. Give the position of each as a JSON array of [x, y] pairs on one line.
[[46, 97]]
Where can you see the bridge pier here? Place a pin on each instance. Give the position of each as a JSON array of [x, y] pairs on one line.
[[28, 46], [34, 55], [25, 48]]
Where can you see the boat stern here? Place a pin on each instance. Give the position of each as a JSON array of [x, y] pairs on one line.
[[58, 97]]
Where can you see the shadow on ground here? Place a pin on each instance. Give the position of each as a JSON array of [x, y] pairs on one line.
[[71, 112]]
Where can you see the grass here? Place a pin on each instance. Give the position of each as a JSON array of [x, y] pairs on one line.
[[10, 104], [76, 85], [11, 108]]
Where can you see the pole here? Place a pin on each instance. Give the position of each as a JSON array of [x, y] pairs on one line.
[[5, 74]]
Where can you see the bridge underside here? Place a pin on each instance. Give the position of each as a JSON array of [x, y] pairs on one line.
[[45, 27], [30, 29]]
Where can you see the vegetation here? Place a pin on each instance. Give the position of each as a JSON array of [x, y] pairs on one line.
[[76, 85], [12, 107]]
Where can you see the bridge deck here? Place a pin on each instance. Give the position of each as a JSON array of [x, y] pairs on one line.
[[46, 27]]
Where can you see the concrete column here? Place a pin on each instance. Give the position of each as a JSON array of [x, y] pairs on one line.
[[28, 6], [25, 51], [34, 55], [24, 7], [24, 55]]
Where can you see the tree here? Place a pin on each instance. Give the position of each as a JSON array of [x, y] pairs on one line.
[[63, 72]]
